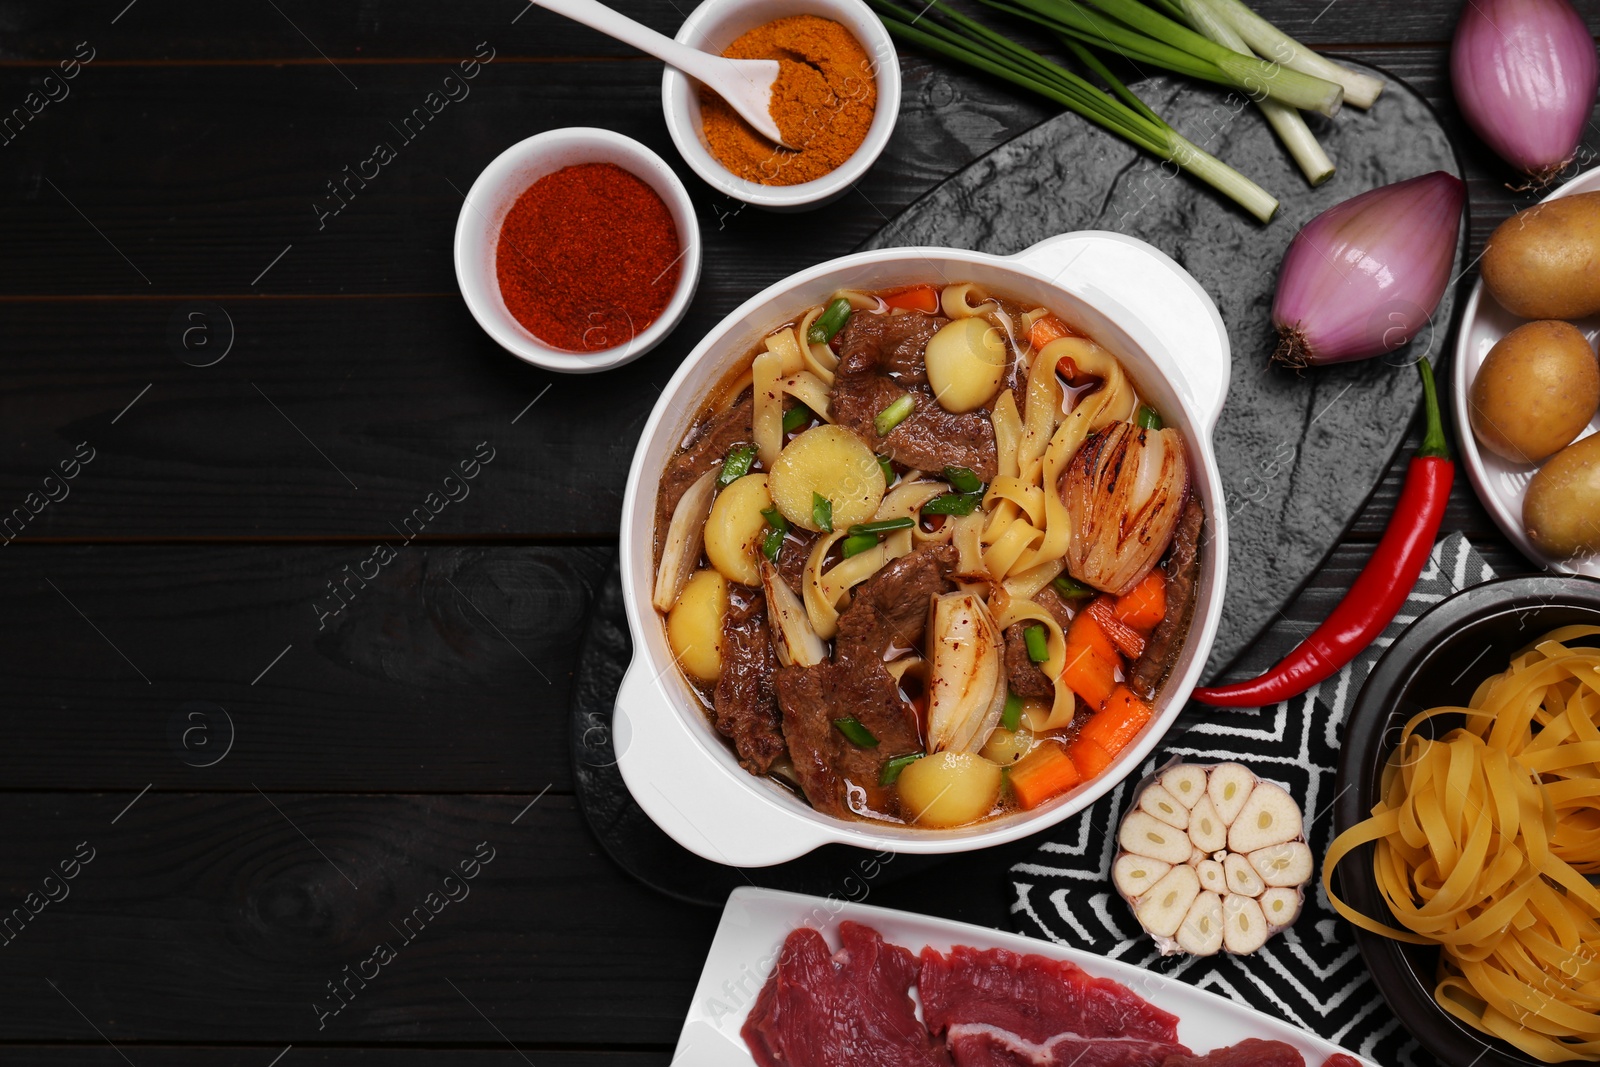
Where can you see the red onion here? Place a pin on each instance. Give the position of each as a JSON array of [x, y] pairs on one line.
[[1524, 73], [1364, 276]]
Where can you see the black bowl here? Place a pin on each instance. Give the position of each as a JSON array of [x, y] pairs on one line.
[[1439, 659]]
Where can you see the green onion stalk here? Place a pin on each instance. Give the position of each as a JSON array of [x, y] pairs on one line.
[[1146, 36], [1119, 111], [1360, 90], [1284, 120]]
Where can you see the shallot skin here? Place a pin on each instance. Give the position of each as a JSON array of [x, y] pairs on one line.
[[1524, 74], [1365, 276]]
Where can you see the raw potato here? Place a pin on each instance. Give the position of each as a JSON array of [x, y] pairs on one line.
[[735, 529], [1562, 509], [1247, 858], [949, 788], [1544, 263], [694, 627], [833, 462], [966, 362], [1536, 391]]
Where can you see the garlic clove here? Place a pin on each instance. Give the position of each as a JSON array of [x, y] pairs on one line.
[[1186, 782], [1244, 926], [1269, 817], [1145, 835], [1164, 806], [1206, 828], [1134, 875], [1281, 906], [1288, 864], [1161, 910], [1212, 877], [1242, 878], [1229, 786], [1200, 933]]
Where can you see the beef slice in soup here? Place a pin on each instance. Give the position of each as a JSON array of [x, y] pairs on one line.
[[1025, 677], [744, 705], [710, 446], [1183, 576], [881, 358], [887, 612], [793, 555]]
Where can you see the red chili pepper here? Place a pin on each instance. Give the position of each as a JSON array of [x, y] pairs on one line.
[[1377, 593]]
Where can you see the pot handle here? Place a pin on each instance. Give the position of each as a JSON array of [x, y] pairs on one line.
[[711, 808], [1162, 297]]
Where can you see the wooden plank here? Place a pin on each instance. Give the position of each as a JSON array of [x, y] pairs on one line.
[[235, 667], [354, 35], [199, 182], [204, 918]]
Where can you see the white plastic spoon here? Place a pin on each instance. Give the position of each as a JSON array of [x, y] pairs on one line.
[[746, 84]]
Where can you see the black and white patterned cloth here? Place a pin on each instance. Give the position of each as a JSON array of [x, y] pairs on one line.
[[1311, 974]]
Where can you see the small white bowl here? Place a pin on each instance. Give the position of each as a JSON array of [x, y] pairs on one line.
[[1501, 484], [713, 26], [491, 197]]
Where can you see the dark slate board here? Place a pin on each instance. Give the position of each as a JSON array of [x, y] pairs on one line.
[[1299, 453]]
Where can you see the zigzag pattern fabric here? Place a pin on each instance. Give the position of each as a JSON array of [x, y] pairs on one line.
[[1310, 975]]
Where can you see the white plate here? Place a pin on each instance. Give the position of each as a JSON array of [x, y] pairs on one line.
[[1501, 484], [755, 922]]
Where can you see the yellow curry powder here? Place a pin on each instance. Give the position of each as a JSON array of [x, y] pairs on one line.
[[823, 102]]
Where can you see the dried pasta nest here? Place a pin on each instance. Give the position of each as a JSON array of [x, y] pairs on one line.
[[1212, 858]]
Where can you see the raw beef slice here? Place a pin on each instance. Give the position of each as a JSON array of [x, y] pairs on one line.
[[840, 1009], [1001, 1009], [1251, 1052]]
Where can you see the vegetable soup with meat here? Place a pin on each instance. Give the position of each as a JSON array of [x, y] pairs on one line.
[[926, 556]]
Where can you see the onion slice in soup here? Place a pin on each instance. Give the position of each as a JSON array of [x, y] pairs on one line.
[[1124, 491], [966, 682], [680, 552], [796, 642]]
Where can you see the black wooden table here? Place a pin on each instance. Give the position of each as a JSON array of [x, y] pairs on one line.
[[256, 767]]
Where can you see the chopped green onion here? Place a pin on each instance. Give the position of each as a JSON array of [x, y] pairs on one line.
[[894, 415], [856, 544], [904, 522], [737, 465], [795, 418], [772, 543], [953, 504], [822, 512], [888, 470], [775, 519], [1038, 643], [1011, 718], [855, 733], [963, 479], [826, 325], [892, 769], [1148, 418], [1071, 588], [968, 41]]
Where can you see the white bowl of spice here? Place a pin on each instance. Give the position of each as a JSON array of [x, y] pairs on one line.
[[577, 250], [836, 99]]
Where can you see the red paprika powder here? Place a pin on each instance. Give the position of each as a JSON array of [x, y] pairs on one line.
[[588, 257]]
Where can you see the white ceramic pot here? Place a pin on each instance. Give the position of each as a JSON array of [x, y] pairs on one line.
[[1129, 297]]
